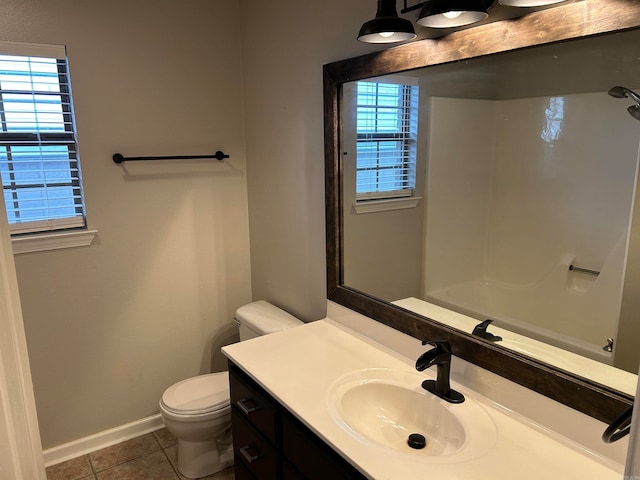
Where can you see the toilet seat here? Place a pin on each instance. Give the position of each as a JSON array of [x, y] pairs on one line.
[[197, 396]]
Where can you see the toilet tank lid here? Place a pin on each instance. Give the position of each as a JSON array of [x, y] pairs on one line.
[[196, 395], [265, 317]]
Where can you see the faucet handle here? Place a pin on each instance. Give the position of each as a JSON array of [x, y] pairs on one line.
[[440, 343], [480, 330], [440, 356]]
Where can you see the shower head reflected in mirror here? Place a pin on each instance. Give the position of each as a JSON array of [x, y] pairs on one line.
[[622, 92], [634, 111]]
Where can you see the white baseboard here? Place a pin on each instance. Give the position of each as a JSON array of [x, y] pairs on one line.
[[100, 440]]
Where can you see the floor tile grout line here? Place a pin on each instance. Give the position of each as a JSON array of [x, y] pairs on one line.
[[155, 437], [93, 470], [174, 467]]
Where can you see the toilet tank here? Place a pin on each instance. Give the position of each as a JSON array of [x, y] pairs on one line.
[[261, 318]]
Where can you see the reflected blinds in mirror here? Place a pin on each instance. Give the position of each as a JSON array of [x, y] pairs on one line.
[[386, 140]]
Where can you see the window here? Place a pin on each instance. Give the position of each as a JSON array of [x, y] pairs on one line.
[[39, 162], [386, 140]]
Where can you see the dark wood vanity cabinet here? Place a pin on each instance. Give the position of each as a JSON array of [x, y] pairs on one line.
[[271, 444]]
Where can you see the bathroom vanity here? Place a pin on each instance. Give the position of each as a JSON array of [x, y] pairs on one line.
[[308, 403], [270, 443]]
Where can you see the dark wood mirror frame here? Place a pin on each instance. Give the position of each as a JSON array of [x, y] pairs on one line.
[[567, 22]]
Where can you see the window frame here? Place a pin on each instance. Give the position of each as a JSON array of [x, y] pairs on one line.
[[407, 134], [39, 137]]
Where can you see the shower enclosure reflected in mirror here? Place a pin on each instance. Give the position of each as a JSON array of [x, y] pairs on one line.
[[522, 170], [521, 198]]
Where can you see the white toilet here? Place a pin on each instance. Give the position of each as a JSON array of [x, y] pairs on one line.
[[197, 411]]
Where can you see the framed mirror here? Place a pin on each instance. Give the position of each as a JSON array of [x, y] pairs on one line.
[[418, 261]]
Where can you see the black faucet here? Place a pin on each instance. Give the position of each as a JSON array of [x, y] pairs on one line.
[[480, 330], [440, 356]]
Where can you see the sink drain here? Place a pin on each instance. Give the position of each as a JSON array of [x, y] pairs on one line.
[[417, 441]]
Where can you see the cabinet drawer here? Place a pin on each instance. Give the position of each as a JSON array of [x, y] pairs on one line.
[[249, 402], [252, 450]]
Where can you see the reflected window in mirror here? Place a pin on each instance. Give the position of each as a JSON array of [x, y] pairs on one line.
[[386, 126]]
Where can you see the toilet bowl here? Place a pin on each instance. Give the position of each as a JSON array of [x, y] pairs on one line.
[[197, 411]]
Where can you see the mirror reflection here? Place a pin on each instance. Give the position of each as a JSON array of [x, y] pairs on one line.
[[503, 188]]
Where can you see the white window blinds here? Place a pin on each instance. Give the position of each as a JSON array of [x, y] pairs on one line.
[[386, 144], [39, 162]]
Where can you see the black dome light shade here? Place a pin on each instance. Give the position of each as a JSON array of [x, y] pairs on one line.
[[387, 27], [453, 13]]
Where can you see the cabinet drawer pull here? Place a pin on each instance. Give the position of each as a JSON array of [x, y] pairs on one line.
[[247, 456], [246, 408]]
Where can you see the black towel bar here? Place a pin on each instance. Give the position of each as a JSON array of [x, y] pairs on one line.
[[573, 268], [119, 158]]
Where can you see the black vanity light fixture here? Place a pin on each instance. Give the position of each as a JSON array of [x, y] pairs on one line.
[[453, 13], [388, 27]]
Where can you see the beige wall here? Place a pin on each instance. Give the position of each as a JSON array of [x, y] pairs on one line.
[[110, 326], [285, 44]]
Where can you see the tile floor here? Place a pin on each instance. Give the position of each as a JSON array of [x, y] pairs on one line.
[[149, 457]]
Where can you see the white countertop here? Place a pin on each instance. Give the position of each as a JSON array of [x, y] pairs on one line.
[[298, 367]]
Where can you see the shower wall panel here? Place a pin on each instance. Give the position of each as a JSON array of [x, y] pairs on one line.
[[560, 192], [459, 176]]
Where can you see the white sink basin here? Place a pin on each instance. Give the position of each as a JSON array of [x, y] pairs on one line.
[[383, 407]]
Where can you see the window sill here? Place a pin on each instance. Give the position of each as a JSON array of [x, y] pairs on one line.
[[52, 241], [386, 204]]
